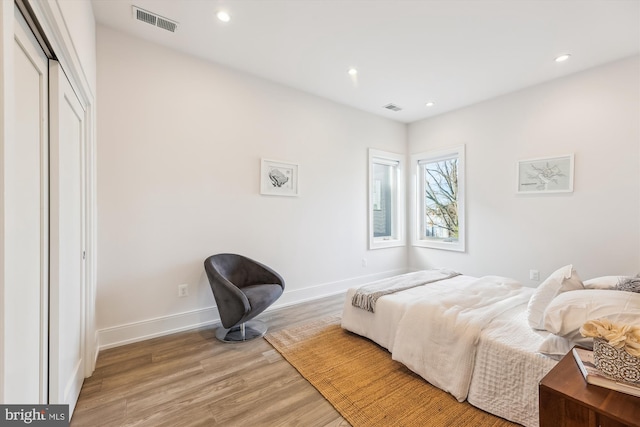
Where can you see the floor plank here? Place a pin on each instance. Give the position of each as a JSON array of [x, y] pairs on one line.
[[191, 379]]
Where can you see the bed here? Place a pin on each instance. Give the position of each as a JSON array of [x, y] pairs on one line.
[[481, 339]]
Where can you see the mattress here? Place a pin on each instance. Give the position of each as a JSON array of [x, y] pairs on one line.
[[507, 367]]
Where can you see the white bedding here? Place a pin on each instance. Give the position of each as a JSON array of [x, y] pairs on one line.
[[381, 327], [505, 370], [508, 369], [437, 337]]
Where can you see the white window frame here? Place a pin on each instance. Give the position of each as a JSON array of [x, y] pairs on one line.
[[419, 203], [398, 234]]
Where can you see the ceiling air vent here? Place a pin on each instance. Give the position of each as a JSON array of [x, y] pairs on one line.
[[154, 19], [392, 107]]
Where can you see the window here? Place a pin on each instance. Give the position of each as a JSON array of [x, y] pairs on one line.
[[439, 207], [386, 201]]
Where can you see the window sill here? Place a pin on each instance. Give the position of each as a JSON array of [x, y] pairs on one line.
[[391, 243], [447, 246]]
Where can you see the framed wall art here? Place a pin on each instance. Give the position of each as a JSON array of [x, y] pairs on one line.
[[278, 178], [545, 175]]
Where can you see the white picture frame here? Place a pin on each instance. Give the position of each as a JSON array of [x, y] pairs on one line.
[[545, 175], [279, 178]]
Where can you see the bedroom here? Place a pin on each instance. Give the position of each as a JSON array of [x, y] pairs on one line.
[[177, 175], [181, 139]]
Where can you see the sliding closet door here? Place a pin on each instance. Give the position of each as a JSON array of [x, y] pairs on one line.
[[27, 216], [67, 235]]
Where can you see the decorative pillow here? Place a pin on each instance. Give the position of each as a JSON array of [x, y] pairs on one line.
[[604, 282], [629, 284], [570, 310], [562, 280]]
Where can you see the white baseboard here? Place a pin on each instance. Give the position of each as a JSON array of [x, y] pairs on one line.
[[165, 325], [151, 328]]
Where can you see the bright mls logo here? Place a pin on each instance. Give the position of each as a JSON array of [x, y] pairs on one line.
[[34, 415]]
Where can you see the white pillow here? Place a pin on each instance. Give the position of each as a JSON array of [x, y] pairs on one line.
[[604, 282], [562, 280], [569, 311], [555, 347]]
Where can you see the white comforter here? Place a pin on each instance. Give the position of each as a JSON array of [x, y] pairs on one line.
[[437, 337], [507, 367]]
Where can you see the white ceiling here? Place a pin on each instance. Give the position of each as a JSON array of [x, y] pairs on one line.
[[407, 52]]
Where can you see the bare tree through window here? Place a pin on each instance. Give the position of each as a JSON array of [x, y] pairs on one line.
[[441, 199], [439, 194]]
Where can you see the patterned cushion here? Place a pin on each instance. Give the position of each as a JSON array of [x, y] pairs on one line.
[[629, 284]]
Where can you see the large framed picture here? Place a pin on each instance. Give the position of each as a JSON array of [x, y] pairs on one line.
[[278, 178], [545, 175]]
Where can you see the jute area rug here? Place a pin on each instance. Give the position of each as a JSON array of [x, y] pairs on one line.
[[365, 385]]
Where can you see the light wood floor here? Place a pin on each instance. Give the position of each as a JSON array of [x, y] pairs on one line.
[[192, 379]]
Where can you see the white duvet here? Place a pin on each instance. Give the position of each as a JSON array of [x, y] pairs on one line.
[[503, 362], [437, 337]]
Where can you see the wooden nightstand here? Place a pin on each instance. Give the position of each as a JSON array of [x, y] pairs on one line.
[[566, 400]]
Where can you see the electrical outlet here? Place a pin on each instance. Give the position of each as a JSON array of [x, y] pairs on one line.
[[534, 275], [183, 290], [364, 262]]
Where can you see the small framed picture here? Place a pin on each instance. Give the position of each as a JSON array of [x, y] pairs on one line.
[[278, 178], [545, 175]]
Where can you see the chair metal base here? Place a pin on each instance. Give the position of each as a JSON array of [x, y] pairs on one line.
[[245, 332]]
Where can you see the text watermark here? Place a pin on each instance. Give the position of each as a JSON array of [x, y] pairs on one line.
[[34, 415]]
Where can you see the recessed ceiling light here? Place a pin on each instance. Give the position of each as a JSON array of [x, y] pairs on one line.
[[563, 57], [352, 71], [430, 104], [223, 16]]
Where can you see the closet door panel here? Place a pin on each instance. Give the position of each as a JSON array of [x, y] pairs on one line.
[[67, 292], [26, 238]]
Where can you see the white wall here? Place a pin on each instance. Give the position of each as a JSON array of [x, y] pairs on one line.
[[180, 142], [594, 114]]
